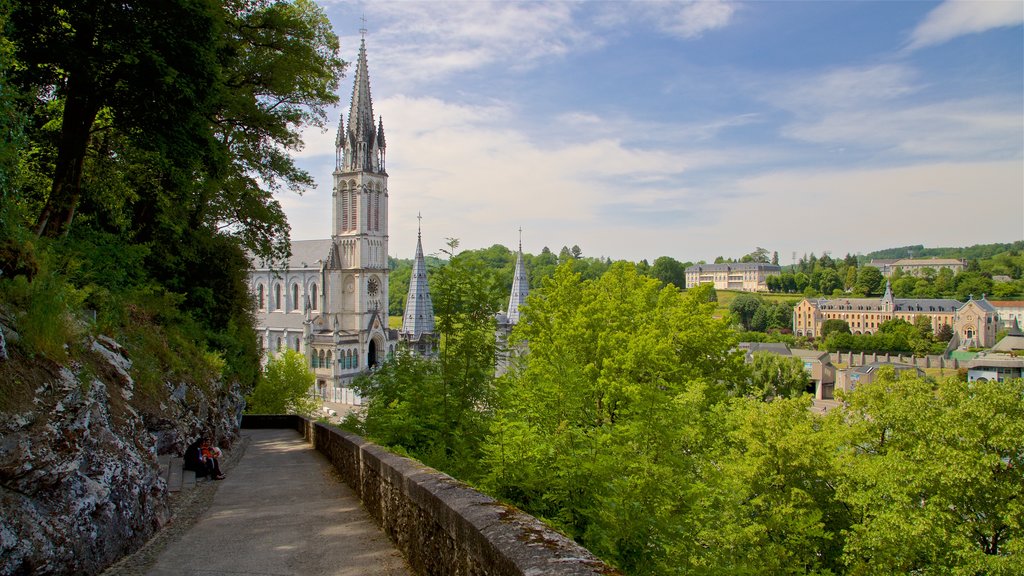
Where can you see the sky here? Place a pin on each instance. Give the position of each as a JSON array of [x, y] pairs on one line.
[[687, 129]]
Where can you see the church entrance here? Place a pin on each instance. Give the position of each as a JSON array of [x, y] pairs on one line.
[[371, 354]]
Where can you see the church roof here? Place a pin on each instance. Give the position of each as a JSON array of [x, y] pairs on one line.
[[305, 254], [418, 318]]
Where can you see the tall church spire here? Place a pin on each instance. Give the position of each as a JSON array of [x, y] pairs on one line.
[[361, 142], [418, 319], [520, 285]]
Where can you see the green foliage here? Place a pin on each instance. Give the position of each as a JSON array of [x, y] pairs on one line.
[[592, 430], [776, 376], [743, 307], [834, 326], [44, 311], [933, 477], [437, 409], [669, 271], [285, 387]]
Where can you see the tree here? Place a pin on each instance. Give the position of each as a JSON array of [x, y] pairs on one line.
[[828, 280], [758, 255], [775, 376], [437, 410], [744, 306], [775, 258], [669, 271], [594, 429], [834, 326], [971, 284], [285, 387], [153, 65], [933, 476], [869, 281]]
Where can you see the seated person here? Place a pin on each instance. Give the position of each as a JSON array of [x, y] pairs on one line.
[[202, 458]]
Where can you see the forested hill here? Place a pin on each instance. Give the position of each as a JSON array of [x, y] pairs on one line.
[[975, 252]]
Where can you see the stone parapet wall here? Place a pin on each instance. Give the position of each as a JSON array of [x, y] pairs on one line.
[[441, 525]]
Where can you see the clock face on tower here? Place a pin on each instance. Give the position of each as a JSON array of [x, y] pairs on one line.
[[372, 286]]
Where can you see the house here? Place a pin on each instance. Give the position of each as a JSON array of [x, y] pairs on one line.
[[745, 276], [849, 379], [917, 266]]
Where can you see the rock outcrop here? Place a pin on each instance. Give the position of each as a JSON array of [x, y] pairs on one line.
[[79, 480]]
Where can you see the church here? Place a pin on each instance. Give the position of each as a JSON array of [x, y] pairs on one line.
[[329, 301]]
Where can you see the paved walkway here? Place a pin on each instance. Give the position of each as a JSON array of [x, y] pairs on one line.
[[282, 510]]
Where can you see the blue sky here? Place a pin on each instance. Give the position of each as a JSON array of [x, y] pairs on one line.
[[688, 129]]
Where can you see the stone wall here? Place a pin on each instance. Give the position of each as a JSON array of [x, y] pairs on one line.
[[441, 525]]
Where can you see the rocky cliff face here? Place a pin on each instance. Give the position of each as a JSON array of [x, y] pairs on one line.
[[79, 480]]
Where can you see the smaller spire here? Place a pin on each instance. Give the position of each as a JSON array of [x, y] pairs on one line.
[[520, 285], [418, 317]]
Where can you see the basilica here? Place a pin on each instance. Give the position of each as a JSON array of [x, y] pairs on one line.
[[329, 300]]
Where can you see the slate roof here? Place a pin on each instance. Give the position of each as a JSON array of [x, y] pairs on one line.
[[305, 254]]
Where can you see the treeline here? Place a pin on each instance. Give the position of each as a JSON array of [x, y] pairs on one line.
[[629, 421], [810, 276], [975, 252], [500, 261], [142, 143]]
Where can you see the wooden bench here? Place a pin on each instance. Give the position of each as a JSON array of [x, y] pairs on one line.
[[171, 470]]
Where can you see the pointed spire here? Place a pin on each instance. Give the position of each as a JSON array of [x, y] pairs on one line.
[[380, 141], [418, 318], [362, 134], [339, 142], [520, 285]]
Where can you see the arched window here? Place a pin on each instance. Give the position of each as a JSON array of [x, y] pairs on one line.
[[344, 207], [296, 343], [323, 356], [312, 296], [295, 297], [329, 359], [314, 361], [259, 296], [353, 209], [277, 296], [278, 343]]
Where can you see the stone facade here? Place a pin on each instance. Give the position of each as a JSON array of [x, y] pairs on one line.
[[975, 322], [917, 267], [745, 276]]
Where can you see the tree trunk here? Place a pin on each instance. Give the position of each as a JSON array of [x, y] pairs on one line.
[[81, 105]]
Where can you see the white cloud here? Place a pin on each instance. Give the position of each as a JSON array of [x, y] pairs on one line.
[[863, 210], [966, 129], [848, 87], [692, 19], [429, 41], [955, 18]]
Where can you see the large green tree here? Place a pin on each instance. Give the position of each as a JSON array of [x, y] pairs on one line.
[[933, 476], [285, 387], [597, 427], [153, 64]]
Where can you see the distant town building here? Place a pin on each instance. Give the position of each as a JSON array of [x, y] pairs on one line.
[[1010, 311], [975, 322], [917, 266], [745, 276]]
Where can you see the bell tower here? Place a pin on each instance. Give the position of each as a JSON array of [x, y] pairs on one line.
[[359, 257]]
